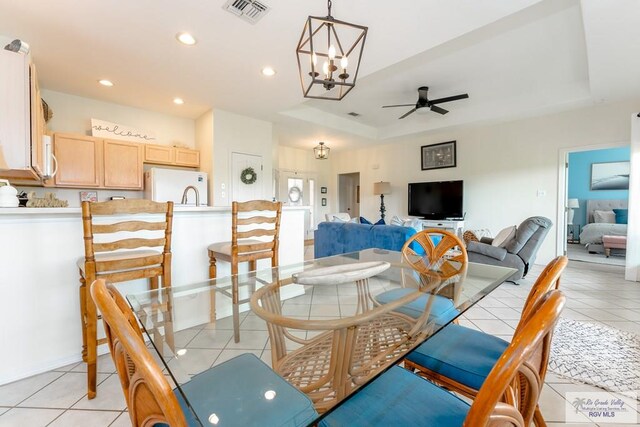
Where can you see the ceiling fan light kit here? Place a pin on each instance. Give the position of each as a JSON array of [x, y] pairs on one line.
[[424, 104], [329, 53]]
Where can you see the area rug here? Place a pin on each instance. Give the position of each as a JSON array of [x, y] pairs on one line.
[[597, 355]]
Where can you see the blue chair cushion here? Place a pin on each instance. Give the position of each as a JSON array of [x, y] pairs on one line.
[[462, 354], [399, 398], [442, 309], [235, 392]]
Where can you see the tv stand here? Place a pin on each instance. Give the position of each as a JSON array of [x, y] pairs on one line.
[[453, 225]]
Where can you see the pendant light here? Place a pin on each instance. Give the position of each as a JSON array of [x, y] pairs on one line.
[[329, 54]]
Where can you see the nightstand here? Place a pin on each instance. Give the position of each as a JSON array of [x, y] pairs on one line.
[[573, 233]]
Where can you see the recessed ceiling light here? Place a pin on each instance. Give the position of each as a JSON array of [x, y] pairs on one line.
[[178, 101], [268, 71], [186, 38], [105, 82]]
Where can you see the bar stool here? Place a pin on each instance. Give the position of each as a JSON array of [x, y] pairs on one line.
[[121, 260], [244, 247]]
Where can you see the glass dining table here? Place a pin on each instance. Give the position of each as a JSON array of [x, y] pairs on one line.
[[326, 338]]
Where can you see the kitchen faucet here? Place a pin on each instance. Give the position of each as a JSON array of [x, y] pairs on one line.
[[184, 195]]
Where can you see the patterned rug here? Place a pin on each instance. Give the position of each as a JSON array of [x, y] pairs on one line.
[[596, 354]]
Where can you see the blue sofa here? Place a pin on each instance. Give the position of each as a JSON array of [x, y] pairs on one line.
[[333, 238]]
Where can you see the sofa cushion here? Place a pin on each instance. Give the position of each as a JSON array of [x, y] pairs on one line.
[[487, 250], [462, 354], [333, 238]]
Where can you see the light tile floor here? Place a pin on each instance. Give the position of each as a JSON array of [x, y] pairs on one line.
[[595, 293]]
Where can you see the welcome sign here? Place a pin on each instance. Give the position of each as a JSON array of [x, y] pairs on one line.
[[104, 129]]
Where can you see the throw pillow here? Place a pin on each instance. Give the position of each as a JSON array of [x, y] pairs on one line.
[[504, 237], [622, 216], [606, 217], [364, 220], [380, 222], [354, 220], [414, 223], [395, 220]]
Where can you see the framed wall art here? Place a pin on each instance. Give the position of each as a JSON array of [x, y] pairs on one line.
[[610, 176], [438, 156]]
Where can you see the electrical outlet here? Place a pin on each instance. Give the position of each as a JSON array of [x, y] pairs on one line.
[[222, 186], [223, 194]]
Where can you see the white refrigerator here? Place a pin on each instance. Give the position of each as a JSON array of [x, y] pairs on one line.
[[163, 185]]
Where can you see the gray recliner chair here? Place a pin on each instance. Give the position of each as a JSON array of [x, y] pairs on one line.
[[520, 252]]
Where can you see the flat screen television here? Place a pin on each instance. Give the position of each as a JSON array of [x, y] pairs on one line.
[[436, 200]]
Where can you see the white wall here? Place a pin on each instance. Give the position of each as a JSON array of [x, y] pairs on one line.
[[503, 165], [204, 143], [633, 232], [233, 133], [74, 113]]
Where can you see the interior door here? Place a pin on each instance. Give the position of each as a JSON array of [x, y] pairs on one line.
[[240, 191]]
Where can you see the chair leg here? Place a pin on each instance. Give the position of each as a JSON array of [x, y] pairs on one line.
[[235, 302], [92, 343], [168, 321], [213, 272], [83, 316], [538, 419]]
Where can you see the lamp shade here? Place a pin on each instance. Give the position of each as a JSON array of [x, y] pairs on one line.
[[381, 188], [573, 204]]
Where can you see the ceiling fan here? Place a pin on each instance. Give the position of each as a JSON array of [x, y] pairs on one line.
[[424, 102]]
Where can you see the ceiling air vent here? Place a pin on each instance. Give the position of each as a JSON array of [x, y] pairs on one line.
[[250, 10]]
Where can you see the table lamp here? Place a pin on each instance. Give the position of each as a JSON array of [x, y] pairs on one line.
[[381, 188], [571, 205]]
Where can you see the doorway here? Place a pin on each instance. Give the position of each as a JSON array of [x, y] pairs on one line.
[[349, 193], [596, 186], [250, 186], [299, 189]]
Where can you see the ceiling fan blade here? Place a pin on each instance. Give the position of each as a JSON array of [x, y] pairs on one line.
[[399, 105], [406, 114], [449, 99], [439, 110]]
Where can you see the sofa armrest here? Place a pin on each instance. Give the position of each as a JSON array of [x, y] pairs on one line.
[[487, 240], [487, 250]]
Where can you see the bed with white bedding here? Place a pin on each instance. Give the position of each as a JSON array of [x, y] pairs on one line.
[[591, 234]]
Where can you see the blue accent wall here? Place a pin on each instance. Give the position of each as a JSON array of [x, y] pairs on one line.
[[580, 178]]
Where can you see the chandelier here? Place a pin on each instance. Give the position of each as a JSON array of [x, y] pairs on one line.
[[321, 151], [329, 54]]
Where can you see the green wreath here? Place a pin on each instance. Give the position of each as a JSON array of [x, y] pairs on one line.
[[248, 176]]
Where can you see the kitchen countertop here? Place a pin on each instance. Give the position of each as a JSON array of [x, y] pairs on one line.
[[77, 210]]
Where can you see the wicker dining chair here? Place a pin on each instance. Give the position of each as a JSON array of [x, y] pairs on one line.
[[434, 254], [508, 397], [111, 230], [343, 353], [460, 358]]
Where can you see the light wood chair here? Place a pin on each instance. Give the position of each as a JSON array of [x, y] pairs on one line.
[[449, 348], [251, 240], [508, 397], [152, 402], [121, 260], [150, 398]]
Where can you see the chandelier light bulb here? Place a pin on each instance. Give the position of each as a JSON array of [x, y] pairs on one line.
[[314, 59], [332, 52], [344, 62], [325, 68]]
